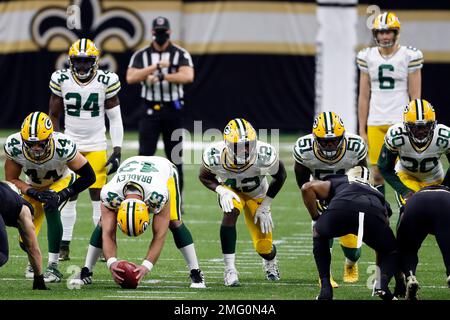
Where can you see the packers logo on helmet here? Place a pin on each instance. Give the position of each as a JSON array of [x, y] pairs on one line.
[[386, 21], [419, 120], [83, 58], [240, 139], [328, 132], [132, 217], [36, 132]]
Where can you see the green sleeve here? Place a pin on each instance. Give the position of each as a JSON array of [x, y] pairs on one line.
[[386, 164]]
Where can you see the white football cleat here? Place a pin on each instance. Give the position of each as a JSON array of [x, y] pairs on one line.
[[271, 269], [230, 278]]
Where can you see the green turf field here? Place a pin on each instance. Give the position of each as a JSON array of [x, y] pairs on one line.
[[169, 278]]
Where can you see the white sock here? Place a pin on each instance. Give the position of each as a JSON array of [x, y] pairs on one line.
[[190, 256], [96, 212], [68, 218], [92, 256], [349, 262], [228, 259], [53, 259]]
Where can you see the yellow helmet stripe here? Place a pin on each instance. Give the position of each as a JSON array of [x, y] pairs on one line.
[[241, 128], [33, 124], [419, 110], [130, 216]]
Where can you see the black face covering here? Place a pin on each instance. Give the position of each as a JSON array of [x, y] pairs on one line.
[[161, 37]]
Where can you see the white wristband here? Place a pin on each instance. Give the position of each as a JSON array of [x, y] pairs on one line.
[[219, 189], [111, 261], [147, 264]]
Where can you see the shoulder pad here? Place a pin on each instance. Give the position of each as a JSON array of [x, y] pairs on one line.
[[211, 155], [13, 146], [302, 148], [395, 137], [267, 154], [357, 145], [65, 147]]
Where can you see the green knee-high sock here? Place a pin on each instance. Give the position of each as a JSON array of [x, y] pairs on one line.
[[54, 230], [228, 239], [96, 237], [352, 254], [182, 236]]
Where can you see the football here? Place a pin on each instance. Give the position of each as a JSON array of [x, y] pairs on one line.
[[129, 277]]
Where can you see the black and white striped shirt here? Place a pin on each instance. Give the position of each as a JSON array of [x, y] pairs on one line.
[[177, 56]]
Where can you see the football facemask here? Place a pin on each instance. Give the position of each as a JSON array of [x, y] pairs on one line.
[[419, 120], [328, 132], [36, 132], [240, 139], [83, 58]]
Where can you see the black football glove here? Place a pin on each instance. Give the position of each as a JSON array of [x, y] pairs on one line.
[[41, 196], [56, 198], [38, 283], [114, 160]]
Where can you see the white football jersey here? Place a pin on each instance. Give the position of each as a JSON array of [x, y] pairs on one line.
[[84, 106], [388, 82], [424, 164], [49, 170], [306, 153], [151, 173], [250, 179]]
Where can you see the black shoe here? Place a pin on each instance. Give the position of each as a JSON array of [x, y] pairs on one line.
[[326, 291], [197, 279], [400, 288]]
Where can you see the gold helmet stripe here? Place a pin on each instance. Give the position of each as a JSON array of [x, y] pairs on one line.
[[241, 128], [33, 124], [130, 216]]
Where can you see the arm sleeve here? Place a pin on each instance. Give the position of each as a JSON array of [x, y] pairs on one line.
[[115, 126], [386, 164], [85, 180], [113, 88]]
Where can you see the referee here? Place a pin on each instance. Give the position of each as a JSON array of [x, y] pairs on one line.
[[162, 68]]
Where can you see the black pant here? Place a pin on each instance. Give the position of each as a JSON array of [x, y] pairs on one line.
[[426, 212], [341, 218], [4, 251], [165, 120]]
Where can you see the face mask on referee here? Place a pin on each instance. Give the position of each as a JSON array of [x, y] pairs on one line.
[[161, 36]]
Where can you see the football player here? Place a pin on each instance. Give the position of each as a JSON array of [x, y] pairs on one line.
[[17, 212], [331, 150], [425, 212], [150, 184], [355, 207], [390, 76], [84, 95], [418, 143], [48, 159], [236, 170]]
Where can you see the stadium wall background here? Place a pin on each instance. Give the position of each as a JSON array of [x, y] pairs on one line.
[[253, 59]]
